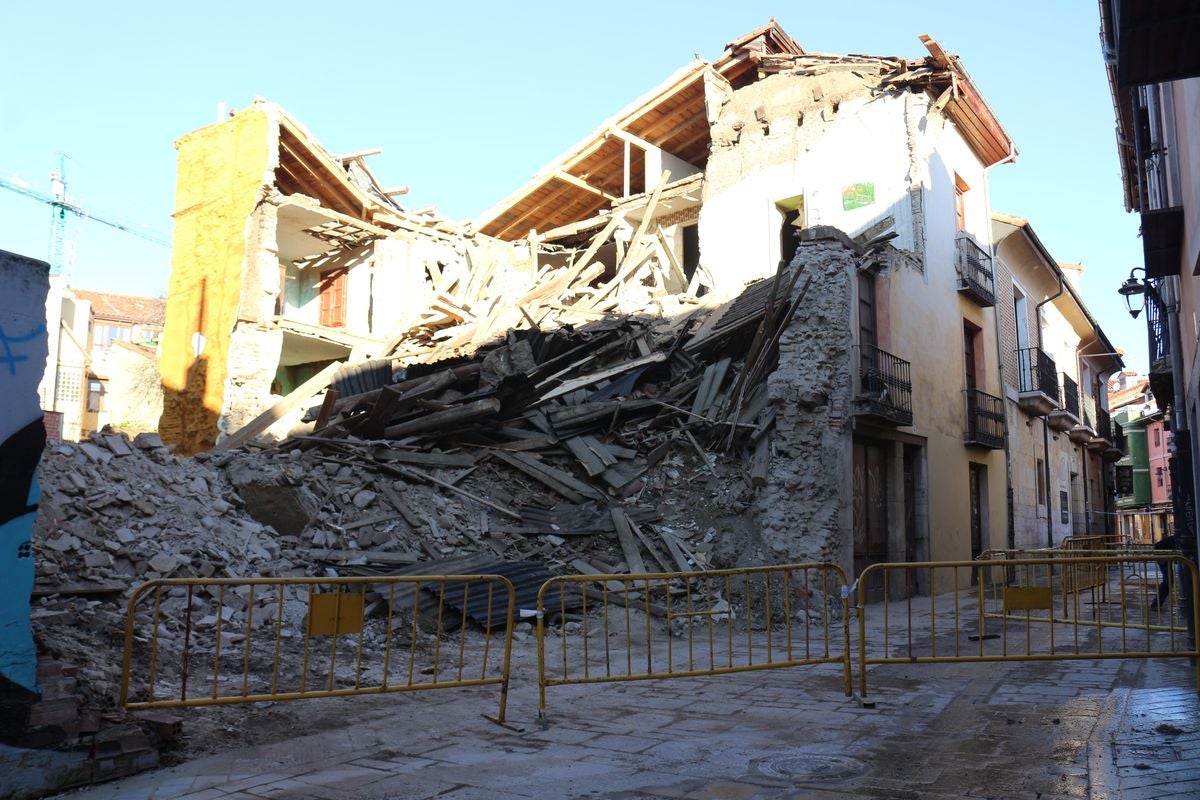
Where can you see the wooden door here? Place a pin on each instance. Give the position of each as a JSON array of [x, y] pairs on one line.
[[975, 490], [870, 512]]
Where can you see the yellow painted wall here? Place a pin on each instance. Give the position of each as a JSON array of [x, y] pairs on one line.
[[222, 169]]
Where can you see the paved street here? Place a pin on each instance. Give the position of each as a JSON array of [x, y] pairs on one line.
[[1105, 730]]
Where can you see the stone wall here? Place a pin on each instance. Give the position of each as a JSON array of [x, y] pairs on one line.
[[805, 509], [24, 283]]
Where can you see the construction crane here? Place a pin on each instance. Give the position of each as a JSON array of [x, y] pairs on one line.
[[62, 210]]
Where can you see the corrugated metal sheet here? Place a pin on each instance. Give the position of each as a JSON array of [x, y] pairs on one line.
[[362, 377]]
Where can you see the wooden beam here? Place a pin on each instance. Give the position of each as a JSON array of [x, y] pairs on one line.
[[448, 418], [373, 151], [629, 543], [276, 412], [582, 184]]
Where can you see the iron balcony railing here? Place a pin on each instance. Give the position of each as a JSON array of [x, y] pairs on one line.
[[985, 419], [974, 266], [1037, 372], [884, 385], [1156, 328], [1089, 411], [1070, 391], [1103, 424]]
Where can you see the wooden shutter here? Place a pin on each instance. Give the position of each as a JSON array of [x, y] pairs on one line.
[[332, 291]]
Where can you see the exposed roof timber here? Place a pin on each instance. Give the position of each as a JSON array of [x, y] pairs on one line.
[[374, 151], [626, 136], [672, 86], [582, 184], [968, 109], [773, 37]]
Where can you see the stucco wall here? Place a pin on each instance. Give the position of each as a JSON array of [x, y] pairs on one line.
[[134, 390], [815, 137], [222, 170], [24, 283]]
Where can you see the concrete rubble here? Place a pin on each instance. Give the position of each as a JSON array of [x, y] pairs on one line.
[[636, 443]]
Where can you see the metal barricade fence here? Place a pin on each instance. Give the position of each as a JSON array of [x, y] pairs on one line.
[[198, 642], [1098, 584], [615, 627], [1005, 610]]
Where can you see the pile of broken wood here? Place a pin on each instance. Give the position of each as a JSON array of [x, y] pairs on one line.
[[582, 412]]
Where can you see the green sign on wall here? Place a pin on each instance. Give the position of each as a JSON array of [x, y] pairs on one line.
[[857, 195]]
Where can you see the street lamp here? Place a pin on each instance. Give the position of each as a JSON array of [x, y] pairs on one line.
[[1134, 288]]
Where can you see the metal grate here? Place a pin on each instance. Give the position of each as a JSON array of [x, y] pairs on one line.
[[884, 385], [1037, 372], [985, 419]]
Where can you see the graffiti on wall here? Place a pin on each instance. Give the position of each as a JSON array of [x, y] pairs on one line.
[[24, 283]]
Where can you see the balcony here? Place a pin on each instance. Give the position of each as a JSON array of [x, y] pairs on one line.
[[1161, 378], [974, 267], [1038, 378], [883, 386], [1067, 417], [985, 419]]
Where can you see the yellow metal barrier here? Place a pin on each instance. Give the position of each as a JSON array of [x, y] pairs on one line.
[[953, 625], [684, 624], [198, 642]]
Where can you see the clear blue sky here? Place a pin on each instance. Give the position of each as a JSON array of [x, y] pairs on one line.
[[469, 100]]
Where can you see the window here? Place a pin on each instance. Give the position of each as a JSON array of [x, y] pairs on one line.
[[95, 391], [971, 355], [960, 202], [1158, 475], [1041, 482], [332, 291], [1157, 437], [1125, 480]]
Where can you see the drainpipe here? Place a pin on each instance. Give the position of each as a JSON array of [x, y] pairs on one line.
[[1037, 314], [1008, 481]]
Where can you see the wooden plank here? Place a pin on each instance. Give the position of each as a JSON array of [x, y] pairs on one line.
[[591, 462], [629, 543], [762, 461], [653, 551], [541, 477], [425, 476], [444, 419], [362, 523], [302, 393], [431, 459], [565, 478], [676, 553], [596, 377], [398, 503], [603, 451], [327, 404], [380, 414]]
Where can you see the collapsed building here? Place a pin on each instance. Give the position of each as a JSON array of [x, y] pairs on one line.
[[707, 183], [749, 319]]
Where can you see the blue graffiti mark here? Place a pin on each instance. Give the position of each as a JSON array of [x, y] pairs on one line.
[[8, 357]]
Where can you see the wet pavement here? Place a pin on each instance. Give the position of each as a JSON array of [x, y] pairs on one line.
[[1104, 730]]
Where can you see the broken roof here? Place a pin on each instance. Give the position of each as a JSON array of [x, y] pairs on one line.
[[124, 307], [676, 117]]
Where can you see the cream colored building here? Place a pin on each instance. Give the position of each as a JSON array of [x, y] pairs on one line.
[[1056, 361]]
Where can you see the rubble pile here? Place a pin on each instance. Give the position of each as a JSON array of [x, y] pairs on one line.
[[632, 444]]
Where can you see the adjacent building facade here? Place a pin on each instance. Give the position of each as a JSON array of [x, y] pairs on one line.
[[1154, 75], [83, 379], [1056, 361]]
